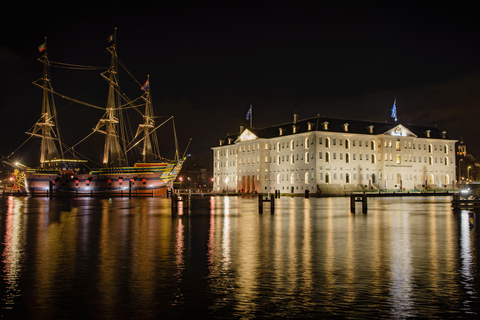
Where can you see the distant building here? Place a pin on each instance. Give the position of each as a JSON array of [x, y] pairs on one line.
[[468, 168], [327, 155]]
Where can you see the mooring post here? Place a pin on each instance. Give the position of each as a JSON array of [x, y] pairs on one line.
[[364, 203], [272, 204], [352, 203], [260, 203]]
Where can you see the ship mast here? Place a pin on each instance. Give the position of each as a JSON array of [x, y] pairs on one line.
[[44, 127], [112, 154], [148, 124]]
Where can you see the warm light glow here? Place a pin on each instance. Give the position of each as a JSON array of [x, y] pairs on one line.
[[247, 135]]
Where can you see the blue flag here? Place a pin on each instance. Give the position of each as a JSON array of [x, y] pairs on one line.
[[249, 113], [394, 110]]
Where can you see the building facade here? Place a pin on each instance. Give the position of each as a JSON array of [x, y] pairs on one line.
[[334, 156]]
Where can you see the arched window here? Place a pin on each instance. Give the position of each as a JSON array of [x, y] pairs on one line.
[[327, 157], [327, 142], [327, 177], [307, 144], [347, 157], [430, 161], [292, 178], [374, 160], [291, 145], [373, 145], [306, 157], [347, 144], [429, 148], [347, 178], [307, 181]]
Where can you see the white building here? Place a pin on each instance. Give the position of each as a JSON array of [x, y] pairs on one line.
[[326, 155]]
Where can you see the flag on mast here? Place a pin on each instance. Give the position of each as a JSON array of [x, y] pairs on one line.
[[394, 109], [146, 86], [249, 113], [42, 47]]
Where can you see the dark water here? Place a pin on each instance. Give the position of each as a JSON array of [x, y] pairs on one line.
[[132, 259]]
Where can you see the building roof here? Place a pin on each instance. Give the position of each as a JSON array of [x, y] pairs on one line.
[[338, 125]]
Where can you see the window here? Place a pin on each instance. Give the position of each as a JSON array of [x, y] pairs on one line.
[[291, 145], [429, 148], [327, 142], [399, 159], [307, 181], [373, 145], [430, 161], [397, 145], [306, 157], [320, 155], [327, 177], [347, 178], [347, 157], [327, 157], [347, 144], [306, 143], [373, 159]]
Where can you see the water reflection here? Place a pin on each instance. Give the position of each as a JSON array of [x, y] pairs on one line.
[[136, 258]]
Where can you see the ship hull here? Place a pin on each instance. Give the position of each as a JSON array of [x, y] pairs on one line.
[[156, 178]]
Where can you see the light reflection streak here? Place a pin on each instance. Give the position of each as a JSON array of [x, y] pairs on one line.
[[13, 251], [466, 260], [329, 261], [401, 266]]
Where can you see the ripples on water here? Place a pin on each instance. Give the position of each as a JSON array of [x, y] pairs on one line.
[[132, 258]]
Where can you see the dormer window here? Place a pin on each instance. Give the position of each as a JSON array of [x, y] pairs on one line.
[[370, 129], [309, 126], [220, 142], [345, 127], [294, 129], [428, 133], [325, 125], [280, 131], [444, 134]]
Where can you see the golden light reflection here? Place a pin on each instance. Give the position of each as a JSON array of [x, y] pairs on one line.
[[13, 250], [401, 290]]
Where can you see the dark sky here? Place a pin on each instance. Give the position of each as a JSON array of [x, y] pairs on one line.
[[208, 61]]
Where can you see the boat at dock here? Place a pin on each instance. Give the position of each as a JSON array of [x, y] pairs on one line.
[[61, 169]]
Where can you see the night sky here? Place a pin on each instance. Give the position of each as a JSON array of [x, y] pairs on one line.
[[209, 61]]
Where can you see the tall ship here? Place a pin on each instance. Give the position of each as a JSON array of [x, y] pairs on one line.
[[61, 170]]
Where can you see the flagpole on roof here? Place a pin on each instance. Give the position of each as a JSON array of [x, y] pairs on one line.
[[251, 116]]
